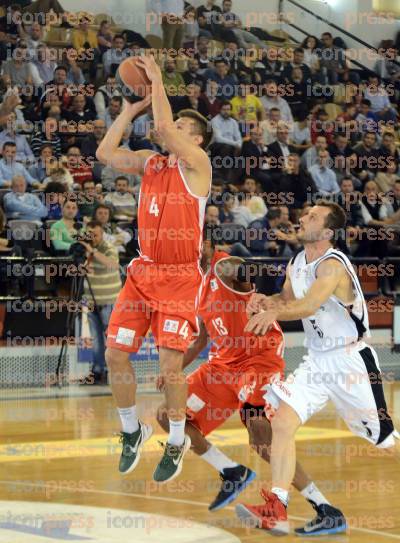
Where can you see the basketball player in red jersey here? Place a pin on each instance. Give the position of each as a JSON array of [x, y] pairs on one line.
[[163, 283], [240, 367]]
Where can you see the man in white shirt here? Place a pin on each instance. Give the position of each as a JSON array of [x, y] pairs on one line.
[[323, 177], [271, 99], [226, 128], [122, 201]]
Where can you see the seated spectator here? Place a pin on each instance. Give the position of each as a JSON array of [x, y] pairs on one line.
[[9, 134], [269, 68], [388, 148], [191, 100], [333, 60], [173, 81], [113, 234], [366, 120], [202, 55], [393, 197], [262, 235], [113, 57], [269, 125], [255, 204], [367, 157], [339, 151], [297, 63], [84, 39], [296, 183], [208, 16], [90, 199], [74, 74], [388, 177], [311, 59], [209, 99], [43, 64], [52, 101], [211, 216], [63, 233], [237, 67], [220, 74], [191, 75], [272, 99], [241, 212], [22, 205], [191, 29], [105, 37], [79, 112], [41, 168], [92, 141], [109, 175], [226, 129], [280, 149], [380, 103], [47, 136], [54, 197], [59, 174], [104, 94], [225, 211], [77, 166], [246, 107], [122, 201], [5, 242], [310, 157], [255, 158], [321, 126], [112, 111], [323, 176], [298, 97], [301, 136], [348, 199], [9, 167], [19, 68]]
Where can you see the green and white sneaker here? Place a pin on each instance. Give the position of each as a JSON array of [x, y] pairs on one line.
[[170, 464], [131, 447]]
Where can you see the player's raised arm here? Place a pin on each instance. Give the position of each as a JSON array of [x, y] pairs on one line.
[[173, 134], [109, 152], [330, 274]]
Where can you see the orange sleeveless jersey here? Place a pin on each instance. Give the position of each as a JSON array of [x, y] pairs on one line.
[[170, 217], [223, 311]]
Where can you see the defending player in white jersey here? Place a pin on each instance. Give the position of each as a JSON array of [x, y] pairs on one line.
[[322, 289]]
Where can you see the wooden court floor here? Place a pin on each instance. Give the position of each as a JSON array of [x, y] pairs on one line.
[[65, 451]]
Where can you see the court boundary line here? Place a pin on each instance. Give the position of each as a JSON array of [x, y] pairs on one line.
[[182, 501]]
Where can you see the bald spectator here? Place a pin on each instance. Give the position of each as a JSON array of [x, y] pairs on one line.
[[19, 204], [92, 141], [212, 215]]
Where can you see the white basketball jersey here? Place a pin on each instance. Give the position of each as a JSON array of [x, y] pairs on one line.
[[334, 325]]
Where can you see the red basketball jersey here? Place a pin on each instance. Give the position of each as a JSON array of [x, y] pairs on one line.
[[170, 217], [223, 311]]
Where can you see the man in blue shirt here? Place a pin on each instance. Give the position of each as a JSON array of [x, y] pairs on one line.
[[227, 83], [19, 204], [24, 152], [323, 177], [9, 167]]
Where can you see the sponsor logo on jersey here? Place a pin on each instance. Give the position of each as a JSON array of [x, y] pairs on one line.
[[213, 284], [171, 326], [125, 336], [246, 391]]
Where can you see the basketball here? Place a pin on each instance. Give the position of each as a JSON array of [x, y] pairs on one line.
[[132, 80]]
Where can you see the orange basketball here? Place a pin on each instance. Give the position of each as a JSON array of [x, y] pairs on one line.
[[132, 80]]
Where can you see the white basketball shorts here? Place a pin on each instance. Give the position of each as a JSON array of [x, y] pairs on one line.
[[351, 378]]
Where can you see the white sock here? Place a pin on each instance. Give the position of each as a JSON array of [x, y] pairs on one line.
[[312, 494], [282, 494], [217, 459], [176, 432], [129, 419]]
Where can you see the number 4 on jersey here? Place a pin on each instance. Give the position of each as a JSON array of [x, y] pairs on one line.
[[154, 207]]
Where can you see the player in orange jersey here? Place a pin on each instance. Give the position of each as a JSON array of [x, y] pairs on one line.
[[240, 367], [162, 285]]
